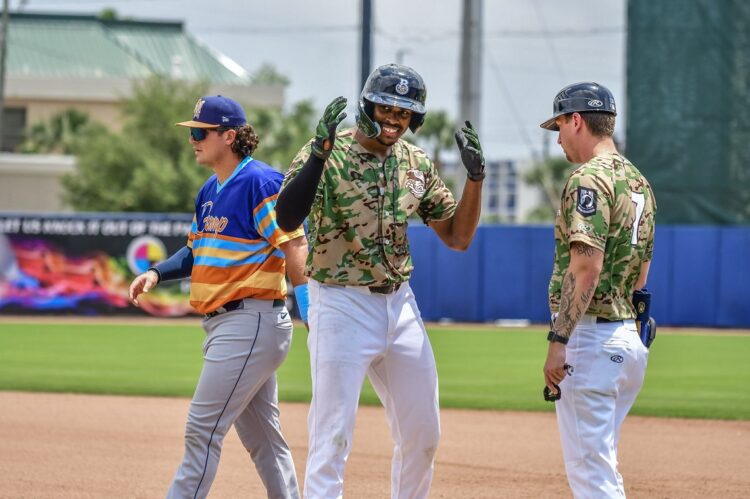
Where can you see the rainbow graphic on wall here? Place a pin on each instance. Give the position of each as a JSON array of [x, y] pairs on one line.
[[143, 252]]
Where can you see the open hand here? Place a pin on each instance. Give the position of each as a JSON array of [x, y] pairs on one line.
[[325, 133], [471, 152]]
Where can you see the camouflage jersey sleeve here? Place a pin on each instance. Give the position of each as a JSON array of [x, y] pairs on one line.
[[438, 202], [649, 253], [585, 207]]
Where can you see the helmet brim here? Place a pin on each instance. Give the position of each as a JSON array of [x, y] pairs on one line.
[[392, 100], [551, 124]]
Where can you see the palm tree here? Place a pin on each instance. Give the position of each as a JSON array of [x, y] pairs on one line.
[[436, 135], [549, 176]]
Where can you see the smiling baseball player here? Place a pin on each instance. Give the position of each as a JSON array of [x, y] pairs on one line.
[[360, 186]]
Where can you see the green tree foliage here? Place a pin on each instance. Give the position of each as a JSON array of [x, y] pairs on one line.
[[108, 14], [549, 177], [282, 134], [267, 74], [149, 165], [436, 135], [58, 135]]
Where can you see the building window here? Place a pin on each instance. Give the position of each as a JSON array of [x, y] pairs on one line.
[[492, 202], [13, 127]]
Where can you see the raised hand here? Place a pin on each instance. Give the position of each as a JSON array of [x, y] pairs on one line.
[[325, 133], [471, 152]]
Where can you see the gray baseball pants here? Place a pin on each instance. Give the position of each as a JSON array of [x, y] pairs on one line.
[[237, 385]]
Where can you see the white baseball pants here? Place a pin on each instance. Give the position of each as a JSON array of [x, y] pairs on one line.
[[237, 385], [609, 364], [354, 333]]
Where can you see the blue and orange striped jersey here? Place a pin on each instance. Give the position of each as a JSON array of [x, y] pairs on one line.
[[235, 239]]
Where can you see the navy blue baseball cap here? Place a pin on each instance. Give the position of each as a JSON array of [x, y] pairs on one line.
[[214, 111]]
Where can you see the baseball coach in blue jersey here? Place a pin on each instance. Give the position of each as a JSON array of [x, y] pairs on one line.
[[237, 258]]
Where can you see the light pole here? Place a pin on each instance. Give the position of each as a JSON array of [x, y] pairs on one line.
[[3, 45], [400, 53]]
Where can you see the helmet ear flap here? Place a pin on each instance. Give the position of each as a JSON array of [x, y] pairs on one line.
[[364, 119], [417, 120]]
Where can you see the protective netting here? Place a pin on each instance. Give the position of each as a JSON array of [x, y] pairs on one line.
[[688, 106]]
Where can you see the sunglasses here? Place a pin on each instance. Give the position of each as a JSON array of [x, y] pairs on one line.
[[199, 134]]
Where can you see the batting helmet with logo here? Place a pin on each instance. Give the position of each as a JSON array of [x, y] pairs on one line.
[[392, 85], [581, 97]]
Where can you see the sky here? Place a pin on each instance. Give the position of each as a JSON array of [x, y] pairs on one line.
[[532, 49]]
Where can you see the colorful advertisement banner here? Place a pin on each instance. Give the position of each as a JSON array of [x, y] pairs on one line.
[[82, 264]]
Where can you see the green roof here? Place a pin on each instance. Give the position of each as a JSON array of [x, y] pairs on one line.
[[59, 46]]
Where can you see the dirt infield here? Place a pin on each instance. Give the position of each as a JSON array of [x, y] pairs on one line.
[[81, 446]]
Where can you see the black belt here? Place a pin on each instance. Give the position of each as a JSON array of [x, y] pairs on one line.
[[237, 305], [600, 320], [385, 290]]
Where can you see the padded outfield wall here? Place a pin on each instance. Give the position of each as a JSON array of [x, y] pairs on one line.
[[82, 264], [700, 276], [688, 96]]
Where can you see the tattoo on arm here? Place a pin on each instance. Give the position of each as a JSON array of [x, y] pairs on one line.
[[583, 249], [571, 309]]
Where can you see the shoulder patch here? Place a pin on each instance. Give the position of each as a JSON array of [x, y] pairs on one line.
[[586, 204]]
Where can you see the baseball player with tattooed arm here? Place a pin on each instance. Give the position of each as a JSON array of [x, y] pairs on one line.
[[360, 186], [604, 237], [236, 257]]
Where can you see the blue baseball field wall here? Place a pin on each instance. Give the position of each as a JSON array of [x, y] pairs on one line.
[[700, 275]]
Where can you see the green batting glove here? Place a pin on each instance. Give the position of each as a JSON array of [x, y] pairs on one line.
[[325, 133], [471, 152]]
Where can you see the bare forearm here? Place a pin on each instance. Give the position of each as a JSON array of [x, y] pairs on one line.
[[578, 287], [469, 209], [295, 252], [576, 296], [463, 224]]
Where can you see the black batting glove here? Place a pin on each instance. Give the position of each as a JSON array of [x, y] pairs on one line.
[[471, 152], [325, 133]]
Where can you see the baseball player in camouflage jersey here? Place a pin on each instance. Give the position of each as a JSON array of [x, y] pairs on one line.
[[604, 237], [360, 186]]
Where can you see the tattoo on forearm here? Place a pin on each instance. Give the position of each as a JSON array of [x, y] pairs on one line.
[[571, 309], [563, 324], [586, 294], [584, 249]]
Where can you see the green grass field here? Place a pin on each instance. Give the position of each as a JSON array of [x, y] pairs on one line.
[[696, 374]]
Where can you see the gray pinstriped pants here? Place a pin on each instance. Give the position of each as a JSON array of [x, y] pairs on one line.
[[237, 385]]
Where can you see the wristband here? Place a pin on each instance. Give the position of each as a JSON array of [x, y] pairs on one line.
[[303, 300], [553, 336], [156, 271]]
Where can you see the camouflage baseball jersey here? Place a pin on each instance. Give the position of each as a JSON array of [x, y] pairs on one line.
[[609, 205], [357, 225]]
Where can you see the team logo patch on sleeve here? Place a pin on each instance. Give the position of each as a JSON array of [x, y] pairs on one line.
[[586, 205]]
